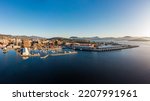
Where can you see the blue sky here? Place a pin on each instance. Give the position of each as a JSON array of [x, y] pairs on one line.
[[84, 18]]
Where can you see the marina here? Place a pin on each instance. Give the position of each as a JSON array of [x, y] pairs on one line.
[[58, 54], [43, 54]]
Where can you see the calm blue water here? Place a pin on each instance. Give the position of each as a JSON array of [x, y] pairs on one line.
[[126, 66]]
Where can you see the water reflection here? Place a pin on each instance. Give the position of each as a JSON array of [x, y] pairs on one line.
[[25, 58]]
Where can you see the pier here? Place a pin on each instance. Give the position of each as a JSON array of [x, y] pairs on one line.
[[65, 53], [35, 54], [105, 49], [58, 54]]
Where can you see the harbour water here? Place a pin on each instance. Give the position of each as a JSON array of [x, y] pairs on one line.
[[129, 66]]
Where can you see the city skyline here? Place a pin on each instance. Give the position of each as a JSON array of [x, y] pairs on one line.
[[83, 18]]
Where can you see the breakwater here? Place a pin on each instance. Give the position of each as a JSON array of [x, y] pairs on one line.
[[59, 54], [104, 49]]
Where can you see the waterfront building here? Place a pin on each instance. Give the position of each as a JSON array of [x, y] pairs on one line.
[[25, 52], [45, 41], [18, 42], [26, 43], [4, 42], [83, 46], [108, 46]]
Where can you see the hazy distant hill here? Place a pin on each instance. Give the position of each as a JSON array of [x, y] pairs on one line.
[[139, 39], [85, 38], [57, 38], [20, 36], [130, 38], [74, 37], [125, 38], [36, 37], [4, 35], [80, 39]]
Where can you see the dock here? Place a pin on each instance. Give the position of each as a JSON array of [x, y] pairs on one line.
[[35, 54], [30, 55], [60, 54], [106, 48]]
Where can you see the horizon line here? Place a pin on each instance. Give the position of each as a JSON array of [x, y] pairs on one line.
[[74, 36]]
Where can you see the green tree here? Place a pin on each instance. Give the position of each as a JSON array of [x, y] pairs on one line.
[[56, 43]]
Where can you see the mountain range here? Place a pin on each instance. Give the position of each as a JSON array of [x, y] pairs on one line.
[[128, 38]]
